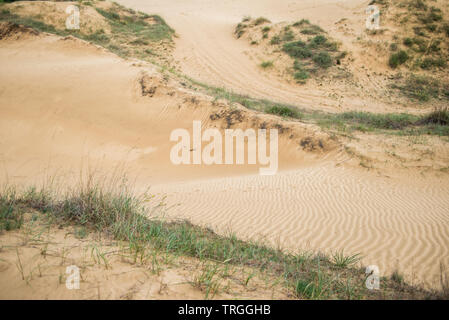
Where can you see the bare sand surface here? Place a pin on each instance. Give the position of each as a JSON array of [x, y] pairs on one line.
[[66, 104]]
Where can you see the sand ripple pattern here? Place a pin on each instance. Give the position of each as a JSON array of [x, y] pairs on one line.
[[393, 225]]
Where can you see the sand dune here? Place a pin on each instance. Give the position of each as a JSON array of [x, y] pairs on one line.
[[207, 50], [393, 224], [76, 104], [65, 103]]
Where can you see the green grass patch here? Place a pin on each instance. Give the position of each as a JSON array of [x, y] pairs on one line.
[[297, 49], [396, 59], [317, 49], [266, 64], [439, 116], [434, 123], [420, 88], [323, 59], [393, 123], [275, 40], [283, 111], [300, 73], [430, 63], [136, 26], [130, 33], [288, 36]]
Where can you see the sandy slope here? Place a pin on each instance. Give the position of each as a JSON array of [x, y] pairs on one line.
[[64, 103], [34, 260]]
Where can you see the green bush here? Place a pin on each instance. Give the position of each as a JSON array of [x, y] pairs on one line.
[[297, 49], [323, 59], [408, 42], [317, 41], [397, 59], [282, 111], [301, 75]]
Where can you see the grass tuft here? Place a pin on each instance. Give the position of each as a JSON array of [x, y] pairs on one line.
[[439, 116], [283, 111], [266, 64], [261, 20], [343, 261], [396, 59]]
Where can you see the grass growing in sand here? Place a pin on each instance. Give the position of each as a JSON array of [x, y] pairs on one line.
[[119, 214], [393, 123], [390, 123], [304, 42], [132, 34], [422, 88], [425, 28]]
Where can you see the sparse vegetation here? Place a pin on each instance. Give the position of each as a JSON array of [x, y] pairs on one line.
[[342, 261], [240, 30], [323, 59], [266, 64], [288, 36], [429, 63], [397, 277], [317, 48], [393, 123], [131, 32], [396, 59], [283, 111], [117, 213], [440, 116], [136, 26], [420, 88], [261, 20], [10, 217], [275, 40], [300, 74], [297, 49], [402, 124], [424, 48], [302, 41]]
